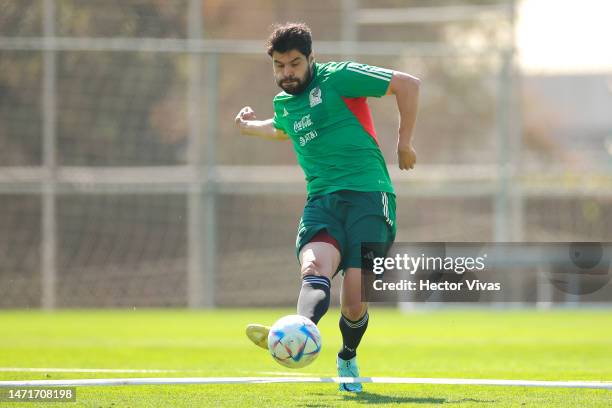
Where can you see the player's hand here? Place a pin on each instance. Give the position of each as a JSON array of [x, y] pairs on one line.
[[406, 157], [244, 116]]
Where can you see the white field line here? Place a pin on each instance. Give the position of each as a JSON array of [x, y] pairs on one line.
[[127, 370], [83, 370], [270, 380], [279, 373]]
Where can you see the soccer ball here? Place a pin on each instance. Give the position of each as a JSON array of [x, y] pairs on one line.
[[294, 341]]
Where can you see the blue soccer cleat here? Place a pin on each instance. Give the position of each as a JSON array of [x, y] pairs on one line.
[[348, 368]]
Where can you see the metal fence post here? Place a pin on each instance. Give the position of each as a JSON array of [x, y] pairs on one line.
[[49, 222], [200, 281], [209, 197]]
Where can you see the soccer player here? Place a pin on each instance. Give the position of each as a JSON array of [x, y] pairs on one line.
[[323, 110]]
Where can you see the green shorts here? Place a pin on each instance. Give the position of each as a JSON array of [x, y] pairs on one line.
[[351, 218]]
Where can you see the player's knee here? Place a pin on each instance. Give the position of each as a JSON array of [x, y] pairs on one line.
[[311, 268], [354, 311]]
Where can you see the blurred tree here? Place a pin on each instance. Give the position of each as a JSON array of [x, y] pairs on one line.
[[106, 100]]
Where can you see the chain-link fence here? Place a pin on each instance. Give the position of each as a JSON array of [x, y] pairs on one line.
[[124, 182]]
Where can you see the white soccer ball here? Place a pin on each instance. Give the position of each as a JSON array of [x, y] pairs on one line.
[[294, 341]]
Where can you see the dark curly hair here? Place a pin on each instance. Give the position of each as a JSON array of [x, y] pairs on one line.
[[290, 36]]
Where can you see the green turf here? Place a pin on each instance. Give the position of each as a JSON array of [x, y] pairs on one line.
[[554, 345]]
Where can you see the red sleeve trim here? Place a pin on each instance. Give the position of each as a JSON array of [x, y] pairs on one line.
[[361, 110]]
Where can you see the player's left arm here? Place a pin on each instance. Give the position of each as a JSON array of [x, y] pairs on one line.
[[405, 87]]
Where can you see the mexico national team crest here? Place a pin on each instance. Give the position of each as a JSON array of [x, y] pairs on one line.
[[315, 96]]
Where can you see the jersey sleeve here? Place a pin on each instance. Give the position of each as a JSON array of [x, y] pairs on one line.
[[355, 80], [276, 123], [276, 119]]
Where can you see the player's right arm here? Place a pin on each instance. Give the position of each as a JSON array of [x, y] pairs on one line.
[[250, 126]]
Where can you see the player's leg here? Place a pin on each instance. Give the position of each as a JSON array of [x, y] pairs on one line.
[[371, 220], [319, 260], [354, 313], [318, 242], [353, 325]]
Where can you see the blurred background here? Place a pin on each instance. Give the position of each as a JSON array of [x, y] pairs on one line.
[[124, 183]]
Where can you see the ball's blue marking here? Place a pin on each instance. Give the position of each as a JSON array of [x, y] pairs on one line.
[[280, 335], [308, 333]]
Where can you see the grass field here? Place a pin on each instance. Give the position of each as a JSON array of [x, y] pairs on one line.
[[553, 345]]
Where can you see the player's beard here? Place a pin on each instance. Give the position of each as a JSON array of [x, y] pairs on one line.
[[298, 85]]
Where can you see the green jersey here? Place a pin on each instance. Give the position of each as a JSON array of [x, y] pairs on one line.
[[331, 127]]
